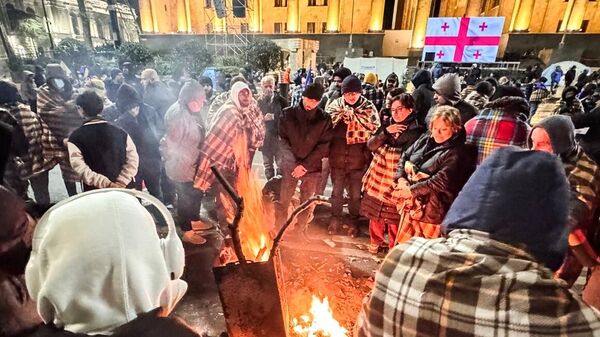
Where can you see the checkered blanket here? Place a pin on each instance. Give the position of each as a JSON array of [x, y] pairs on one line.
[[379, 178], [362, 121]]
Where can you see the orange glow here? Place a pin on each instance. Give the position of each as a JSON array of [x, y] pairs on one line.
[[319, 322]]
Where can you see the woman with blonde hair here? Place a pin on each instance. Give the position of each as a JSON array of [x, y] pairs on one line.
[[431, 173]]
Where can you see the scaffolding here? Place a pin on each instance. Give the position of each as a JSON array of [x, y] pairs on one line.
[[227, 36]]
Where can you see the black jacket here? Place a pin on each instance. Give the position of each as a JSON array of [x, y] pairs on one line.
[[145, 130], [467, 111], [423, 94], [347, 156], [449, 166], [304, 138], [590, 142], [275, 107], [406, 139]]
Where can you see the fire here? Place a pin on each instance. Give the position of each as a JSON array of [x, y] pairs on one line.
[[257, 222], [319, 322]]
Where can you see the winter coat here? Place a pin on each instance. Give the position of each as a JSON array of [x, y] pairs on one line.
[[158, 96], [304, 138], [423, 94], [467, 111], [437, 71], [28, 91], [273, 106], [184, 137], [378, 202], [590, 142], [449, 166], [570, 76], [556, 75], [144, 130]]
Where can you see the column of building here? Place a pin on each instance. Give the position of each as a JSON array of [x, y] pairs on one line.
[[420, 24], [577, 14], [254, 15], [376, 23], [333, 16], [521, 17], [293, 21]]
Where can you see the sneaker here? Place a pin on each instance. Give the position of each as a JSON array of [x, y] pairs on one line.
[[200, 225], [194, 238], [373, 249]]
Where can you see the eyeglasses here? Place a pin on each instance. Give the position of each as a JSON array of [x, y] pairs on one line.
[[400, 108]]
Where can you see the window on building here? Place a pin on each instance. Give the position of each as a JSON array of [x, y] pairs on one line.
[[312, 2], [324, 3], [558, 26], [208, 3], [278, 28], [324, 27], [280, 3], [310, 27], [99, 29], [584, 25], [75, 24]]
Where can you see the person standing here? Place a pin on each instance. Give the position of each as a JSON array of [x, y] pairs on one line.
[[481, 95], [156, 93], [388, 144], [305, 134], [181, 150], [570, 75], [113, 83], [423, 94], [29, 90], [39, 78], [372, 92], [555, 78], [355, 119], [271, 105], [102, 154]]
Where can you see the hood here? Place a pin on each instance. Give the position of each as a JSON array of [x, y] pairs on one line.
[[561, 130], [235, 91], [390, 77], [111, 268], [510, 104], [127, 97], [570, 91], [190, 90], [9, 93], [422, 77], [520, 198], [448, 86]]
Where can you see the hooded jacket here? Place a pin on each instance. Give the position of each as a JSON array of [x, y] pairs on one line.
[[423, 94], [391, 76], [448, 86], [569, 103], [590, 142], [158, 96], [100, 279], [448, 165], [184, 137]]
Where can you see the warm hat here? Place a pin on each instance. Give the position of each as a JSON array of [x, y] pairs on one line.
[[507, 90], [97, 86], [492, 81], [27, 73], [9, 93], [314, 91], [12, 221], [569, 91], [190, 90], [97, 263], [484, 88], [371, 78], [205, 80], [342, 73], [448, 86], [351, 84], [114, 72], [235, 92], [127, 97], [54, 70], [520, 198], [561, 130]]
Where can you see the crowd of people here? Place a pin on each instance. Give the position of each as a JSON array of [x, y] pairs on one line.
[[478, 190]]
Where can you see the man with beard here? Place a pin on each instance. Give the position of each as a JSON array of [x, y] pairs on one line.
[[270, 104]]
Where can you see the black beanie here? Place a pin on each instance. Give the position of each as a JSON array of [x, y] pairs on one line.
[[127, 97], [351, 84], [314, 91], [342, 73], [484, 88]]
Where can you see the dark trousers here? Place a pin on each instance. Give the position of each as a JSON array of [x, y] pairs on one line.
[[39, 185], [270, 152], [189, 200], [33, 105], [308, 187], [325, 173], [151, 176], [351, 180], [167, 186]]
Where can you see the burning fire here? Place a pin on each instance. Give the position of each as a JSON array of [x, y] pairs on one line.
[[319, 322], [257, 223]]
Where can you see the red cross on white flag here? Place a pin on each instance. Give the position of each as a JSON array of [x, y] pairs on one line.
[[463, 40]]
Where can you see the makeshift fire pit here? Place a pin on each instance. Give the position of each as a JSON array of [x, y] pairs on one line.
[[251, 292]]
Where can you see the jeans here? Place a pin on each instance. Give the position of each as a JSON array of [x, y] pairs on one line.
[[270, 152], [189, 200], [308, 187], [39, 185], [352, 181]]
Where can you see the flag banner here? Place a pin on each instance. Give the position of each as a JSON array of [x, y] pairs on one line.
[[472, 40]]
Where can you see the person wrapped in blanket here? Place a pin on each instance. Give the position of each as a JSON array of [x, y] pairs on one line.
[[432, 172]]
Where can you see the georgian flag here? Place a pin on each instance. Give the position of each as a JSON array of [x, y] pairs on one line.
[[463, 40]]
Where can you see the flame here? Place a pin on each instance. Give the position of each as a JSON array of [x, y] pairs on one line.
[[319, 322], [257, 222]]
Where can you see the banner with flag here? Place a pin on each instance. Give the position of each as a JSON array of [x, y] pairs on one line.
[[463, 40]]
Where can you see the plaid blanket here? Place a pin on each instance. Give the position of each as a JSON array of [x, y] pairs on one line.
[[362, 121], [218, 147], [375, 95], [379, 178], [62, 118], [470, 285], [493, 129], [538, 95], [43, 150], [584, 179]]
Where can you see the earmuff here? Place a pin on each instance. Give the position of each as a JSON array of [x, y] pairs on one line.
[[171, 245]]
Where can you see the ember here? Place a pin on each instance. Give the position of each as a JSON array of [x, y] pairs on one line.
[[319, 322]]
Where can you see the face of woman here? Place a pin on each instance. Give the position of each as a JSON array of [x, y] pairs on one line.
[[441, 131], [399, 112]]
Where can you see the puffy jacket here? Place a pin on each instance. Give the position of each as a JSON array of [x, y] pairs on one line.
[[449, 166], [304, 138], [423, 94]]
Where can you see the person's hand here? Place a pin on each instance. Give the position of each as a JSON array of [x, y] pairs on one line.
[[409, 168], [269, 117], [299, 172], [116, 185], [396, 128]]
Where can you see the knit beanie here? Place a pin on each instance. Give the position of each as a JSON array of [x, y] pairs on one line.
[[448, 86], [506, 90], [484, 88], [114, 72], [351, 84], [189, 91], [561, 130], [127, 97], [371, 78], [313, 91], [8, 92], [520, 198], [342, 73], [54, 70]]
